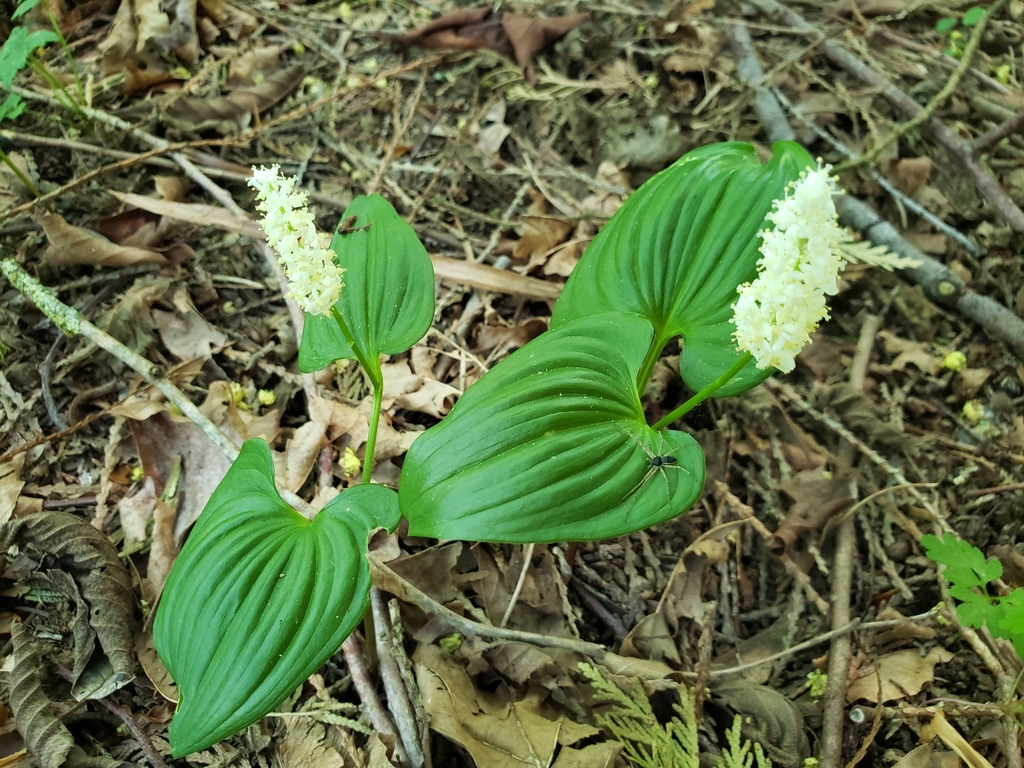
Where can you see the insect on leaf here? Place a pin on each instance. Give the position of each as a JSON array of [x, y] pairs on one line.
[[551, 445]]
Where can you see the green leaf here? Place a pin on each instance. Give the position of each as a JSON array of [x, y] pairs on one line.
[[24, 7], [12, 106], [965, 564], [551, 445], [388, 298], [676, 251], [260, 597], [16, 50], [973, 16], [944, 25]]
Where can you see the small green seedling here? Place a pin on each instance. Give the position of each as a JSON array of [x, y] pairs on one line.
[[968, 574], [947, 25]]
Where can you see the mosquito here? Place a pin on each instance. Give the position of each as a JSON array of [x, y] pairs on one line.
[[656, 462]]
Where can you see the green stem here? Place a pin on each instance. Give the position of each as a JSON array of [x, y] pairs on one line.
[[56, 85], [21, 176], [647, 368], [67, 52], [373, 370], [705, 393], [377, 377]]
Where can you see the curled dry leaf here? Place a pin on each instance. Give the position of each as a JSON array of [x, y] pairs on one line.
[[497, 733], [232, 113], [899, 674], [70, 245], [92, 562], [511, 35]]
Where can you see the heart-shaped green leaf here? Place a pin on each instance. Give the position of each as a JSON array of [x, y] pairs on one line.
[[388, 297], [678, 248], [260, 597], [551, 445]]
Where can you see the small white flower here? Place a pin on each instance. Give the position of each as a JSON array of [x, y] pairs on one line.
[[800, 258], [313, 277]]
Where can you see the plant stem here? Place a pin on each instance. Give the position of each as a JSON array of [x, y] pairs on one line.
[[67, 52], [705, 393], [21, 176], [647, 367], [373, 370], [377, 378]]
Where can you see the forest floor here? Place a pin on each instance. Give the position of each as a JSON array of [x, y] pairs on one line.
[[881, 434]]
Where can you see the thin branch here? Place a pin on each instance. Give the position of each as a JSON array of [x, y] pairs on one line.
[[367, 690], [958, 148], [71, 322], [1008, 127], [394, 686]]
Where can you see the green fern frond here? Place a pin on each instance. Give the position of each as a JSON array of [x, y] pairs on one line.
[[646, 743]]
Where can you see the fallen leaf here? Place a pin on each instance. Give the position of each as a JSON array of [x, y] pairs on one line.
[[71, 245], [514, 36], [10, 485], [194, 213], [232, 113], [901, 674], [496, 731], [305, 744]]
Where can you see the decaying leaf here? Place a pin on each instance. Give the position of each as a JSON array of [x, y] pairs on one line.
[[496, 731], [900, 674], [10, 485], [770, 719], [232, 113], [511, 35], [92, 562], [70, 245]]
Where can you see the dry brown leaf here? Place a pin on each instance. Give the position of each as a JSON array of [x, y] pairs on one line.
[[496, 732], [194, 213], [488, 278], [816, 500], [97, 572], [516, 37], [912, 173], [921, 355], [231, 113], [70, 246], [902, 673], [925, 756], [10, 485], [305, 744], [953, 739]]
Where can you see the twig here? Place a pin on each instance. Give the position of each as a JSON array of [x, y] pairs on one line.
[[957, 147], [905, 200], [473, 629], [510, 209], [394, 686], [140, 736], [938, 99], [400, 131], [367, 690], [71, 322], [1009, 126], [839, 652], [854, 626], [527, 557]]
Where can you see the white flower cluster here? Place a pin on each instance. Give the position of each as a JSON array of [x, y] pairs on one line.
[[314, 279], [800, 258]]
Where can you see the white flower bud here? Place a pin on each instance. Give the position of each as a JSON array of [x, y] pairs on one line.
[[314, 279], [800, 258]]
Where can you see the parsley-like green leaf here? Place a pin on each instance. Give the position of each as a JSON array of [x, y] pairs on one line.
[[17, 49], [965, 565]]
